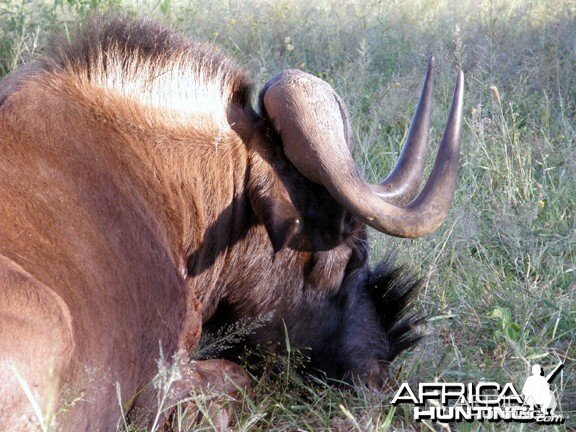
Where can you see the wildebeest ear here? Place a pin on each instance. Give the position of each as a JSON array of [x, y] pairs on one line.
[[271, 201]]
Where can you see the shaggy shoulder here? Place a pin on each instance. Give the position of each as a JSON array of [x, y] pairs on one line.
[[151, 65]]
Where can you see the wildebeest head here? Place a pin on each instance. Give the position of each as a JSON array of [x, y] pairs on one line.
[[314, 126], [310, 196]]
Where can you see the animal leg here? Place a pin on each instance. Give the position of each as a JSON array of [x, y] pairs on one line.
[[210, 390], [35, 346]]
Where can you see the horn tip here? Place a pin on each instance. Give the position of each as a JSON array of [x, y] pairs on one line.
[[460, 82], [431, 64]]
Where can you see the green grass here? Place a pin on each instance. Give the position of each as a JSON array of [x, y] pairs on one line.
[[500, 274]]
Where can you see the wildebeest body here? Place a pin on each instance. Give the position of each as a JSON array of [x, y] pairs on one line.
[[78, 217], [96, 222], [142, 196]]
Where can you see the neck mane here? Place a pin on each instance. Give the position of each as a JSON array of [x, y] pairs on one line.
[[155, 69]]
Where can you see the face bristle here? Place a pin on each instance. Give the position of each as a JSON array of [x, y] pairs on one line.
[[393, 290]]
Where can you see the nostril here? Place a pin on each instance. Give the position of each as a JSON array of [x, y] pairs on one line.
[[378, 377]]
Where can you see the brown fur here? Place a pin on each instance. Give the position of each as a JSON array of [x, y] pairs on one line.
[[102, 200], [140, 191]]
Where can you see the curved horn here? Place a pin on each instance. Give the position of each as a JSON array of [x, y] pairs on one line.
[[401, 185], [315, 130]]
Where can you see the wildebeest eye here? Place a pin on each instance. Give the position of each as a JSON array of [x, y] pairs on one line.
[[295, 211], [270, 198]]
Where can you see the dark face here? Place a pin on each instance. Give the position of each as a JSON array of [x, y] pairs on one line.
[[310, 268], [350, 335], [350, 321], [307, 192], [376, 323]]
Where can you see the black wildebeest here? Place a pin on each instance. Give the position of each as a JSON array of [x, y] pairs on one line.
[[142, 195]]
